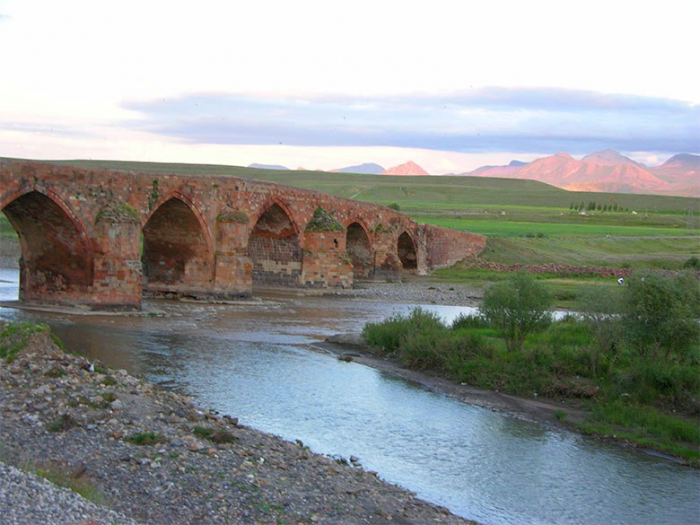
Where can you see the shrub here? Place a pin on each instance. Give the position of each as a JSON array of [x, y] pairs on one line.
[[599, 310], [660, 313], [469, 321], [517, 307], [693, 263], [394, 206], [385, 336]]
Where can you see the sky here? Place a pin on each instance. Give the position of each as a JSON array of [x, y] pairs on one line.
[[324, 84]]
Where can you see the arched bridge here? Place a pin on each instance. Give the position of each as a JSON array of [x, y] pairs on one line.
[[104, 238]]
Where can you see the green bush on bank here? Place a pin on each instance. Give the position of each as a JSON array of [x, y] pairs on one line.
[[617, 356]]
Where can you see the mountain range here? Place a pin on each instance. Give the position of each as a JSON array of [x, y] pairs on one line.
[[606, 171], [601, 171]]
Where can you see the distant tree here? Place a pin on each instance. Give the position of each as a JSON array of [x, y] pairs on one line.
[[394, 206], [591, 206], [517, 307]]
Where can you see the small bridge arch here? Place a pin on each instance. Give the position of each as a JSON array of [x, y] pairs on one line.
[[177, 247], [273, 246], [358, 244], [407, 251]]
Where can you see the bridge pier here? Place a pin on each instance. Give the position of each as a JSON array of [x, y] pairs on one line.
[[233, 276], [118, 275], [326, 263]]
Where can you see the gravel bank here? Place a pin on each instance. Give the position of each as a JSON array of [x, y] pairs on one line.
[[25, 499], [59, 413], [418, 290]]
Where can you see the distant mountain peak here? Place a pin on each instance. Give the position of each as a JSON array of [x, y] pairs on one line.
[[407, 168], [563, 155], [609, 157], [369, 168], [267, 166], [683, 160]]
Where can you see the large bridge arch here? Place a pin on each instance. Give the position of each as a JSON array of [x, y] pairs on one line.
[[57, 264], [274, 248], [177, 254], [358, 245]]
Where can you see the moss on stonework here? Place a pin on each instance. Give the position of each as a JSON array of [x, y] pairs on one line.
[[237, 216], [323, 221], [117, 211]]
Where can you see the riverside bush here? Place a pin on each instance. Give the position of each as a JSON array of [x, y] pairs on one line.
[[647, 394], [660, 315], [387, 336], [517, 306]]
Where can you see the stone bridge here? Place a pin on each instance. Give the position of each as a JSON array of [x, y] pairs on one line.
[[104, 238]]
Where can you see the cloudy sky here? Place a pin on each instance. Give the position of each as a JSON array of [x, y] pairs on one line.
[[452, 85]]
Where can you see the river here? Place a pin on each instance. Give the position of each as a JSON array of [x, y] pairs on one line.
[[256, 361]]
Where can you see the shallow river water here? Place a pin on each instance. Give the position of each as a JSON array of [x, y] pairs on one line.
[[256, 361]]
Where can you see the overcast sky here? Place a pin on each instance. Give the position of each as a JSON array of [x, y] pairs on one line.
[[452, 85]]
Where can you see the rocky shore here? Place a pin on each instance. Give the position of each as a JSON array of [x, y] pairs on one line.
[[143, 455]]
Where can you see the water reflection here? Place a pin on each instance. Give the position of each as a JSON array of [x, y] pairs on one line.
[[253, 362]]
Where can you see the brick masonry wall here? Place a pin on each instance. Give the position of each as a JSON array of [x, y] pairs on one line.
[[99, 203]]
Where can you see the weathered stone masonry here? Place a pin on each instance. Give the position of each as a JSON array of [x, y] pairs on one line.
[[103, 238]]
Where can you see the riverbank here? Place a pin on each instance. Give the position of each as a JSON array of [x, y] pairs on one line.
[[351, 347], [569, 411], [156, 458]]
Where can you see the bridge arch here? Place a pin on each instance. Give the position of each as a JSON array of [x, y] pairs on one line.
[[407, 251], [177, 254], [273, 246], [358, 245], [57, 264]]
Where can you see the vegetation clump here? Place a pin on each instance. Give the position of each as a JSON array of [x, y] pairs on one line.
[[15, 338], [61, 424], [146, 438], [218, 436], [233, 216], [117, 211], [323, 221]]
